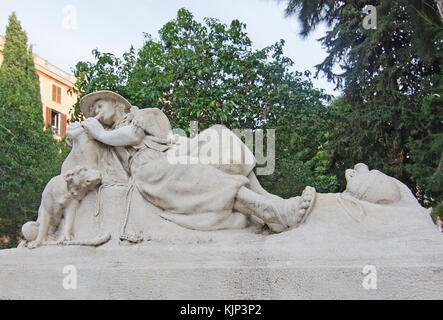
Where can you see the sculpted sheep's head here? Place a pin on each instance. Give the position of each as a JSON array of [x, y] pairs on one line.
[[372, 186]]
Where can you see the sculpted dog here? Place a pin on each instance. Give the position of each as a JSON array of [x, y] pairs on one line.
[[62, 194]]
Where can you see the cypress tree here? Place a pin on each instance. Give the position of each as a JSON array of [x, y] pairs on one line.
[[18, 71], [29, 156]]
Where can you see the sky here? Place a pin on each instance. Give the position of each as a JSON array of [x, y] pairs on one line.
[[65, 32]]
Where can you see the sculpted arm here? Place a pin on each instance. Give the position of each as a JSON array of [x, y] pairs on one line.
[[124, 136]]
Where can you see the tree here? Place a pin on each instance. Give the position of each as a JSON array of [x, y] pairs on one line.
[[209, 73], [18, 71], [29, 157], [390, 115]]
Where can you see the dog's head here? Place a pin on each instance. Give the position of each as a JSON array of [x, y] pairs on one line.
[[80, 180]]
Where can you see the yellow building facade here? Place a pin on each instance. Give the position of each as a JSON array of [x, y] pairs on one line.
[[55, 83]]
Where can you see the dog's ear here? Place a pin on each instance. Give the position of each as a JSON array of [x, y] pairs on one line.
[[68, 176]]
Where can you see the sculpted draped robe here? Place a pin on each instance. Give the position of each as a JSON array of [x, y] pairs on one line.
[[173, 178]]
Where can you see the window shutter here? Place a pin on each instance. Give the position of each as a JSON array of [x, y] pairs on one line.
[[54, 93], [63, 121], [48, 117]]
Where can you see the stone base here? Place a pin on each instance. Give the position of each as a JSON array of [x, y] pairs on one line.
[[211, 271], [322, 259]]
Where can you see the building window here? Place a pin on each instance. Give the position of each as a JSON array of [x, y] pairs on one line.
[[55, 122], [56, 94]]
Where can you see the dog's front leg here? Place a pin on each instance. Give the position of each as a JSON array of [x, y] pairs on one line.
[[70, 213]]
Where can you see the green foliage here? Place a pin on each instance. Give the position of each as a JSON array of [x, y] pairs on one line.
[[389, 115], [18, 71], [437, 211], [29, 157], [426, 165], [209, 73], [302, 127]]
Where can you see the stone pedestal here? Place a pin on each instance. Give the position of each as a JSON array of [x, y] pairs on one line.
[[322, 259], [271, 267]]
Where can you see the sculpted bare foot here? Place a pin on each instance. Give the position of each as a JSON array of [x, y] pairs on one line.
[[278, 214]]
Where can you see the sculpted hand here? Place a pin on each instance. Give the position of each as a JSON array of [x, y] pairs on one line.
[[93, 127], [74, 125], [74, 130]]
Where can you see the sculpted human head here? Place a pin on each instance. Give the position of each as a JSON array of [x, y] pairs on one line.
[[106, 106], [108, 111], [372, 186]]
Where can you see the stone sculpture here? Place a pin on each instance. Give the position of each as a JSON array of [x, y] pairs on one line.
[[200, 225], [134, 149], [372, 186], [63, 193]]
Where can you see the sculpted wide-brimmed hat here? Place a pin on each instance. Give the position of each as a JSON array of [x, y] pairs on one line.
[[152, 120], [87, 102]]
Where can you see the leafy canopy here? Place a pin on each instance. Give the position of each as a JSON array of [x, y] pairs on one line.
[[391, 113], [209, 72]]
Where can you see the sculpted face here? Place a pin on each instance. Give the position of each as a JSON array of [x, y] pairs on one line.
[[105, 112]]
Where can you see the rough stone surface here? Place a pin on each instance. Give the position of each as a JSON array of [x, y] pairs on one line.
[[215, 271], [322, 259]]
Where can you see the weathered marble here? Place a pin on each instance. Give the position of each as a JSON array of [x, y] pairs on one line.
[[160, 230]]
